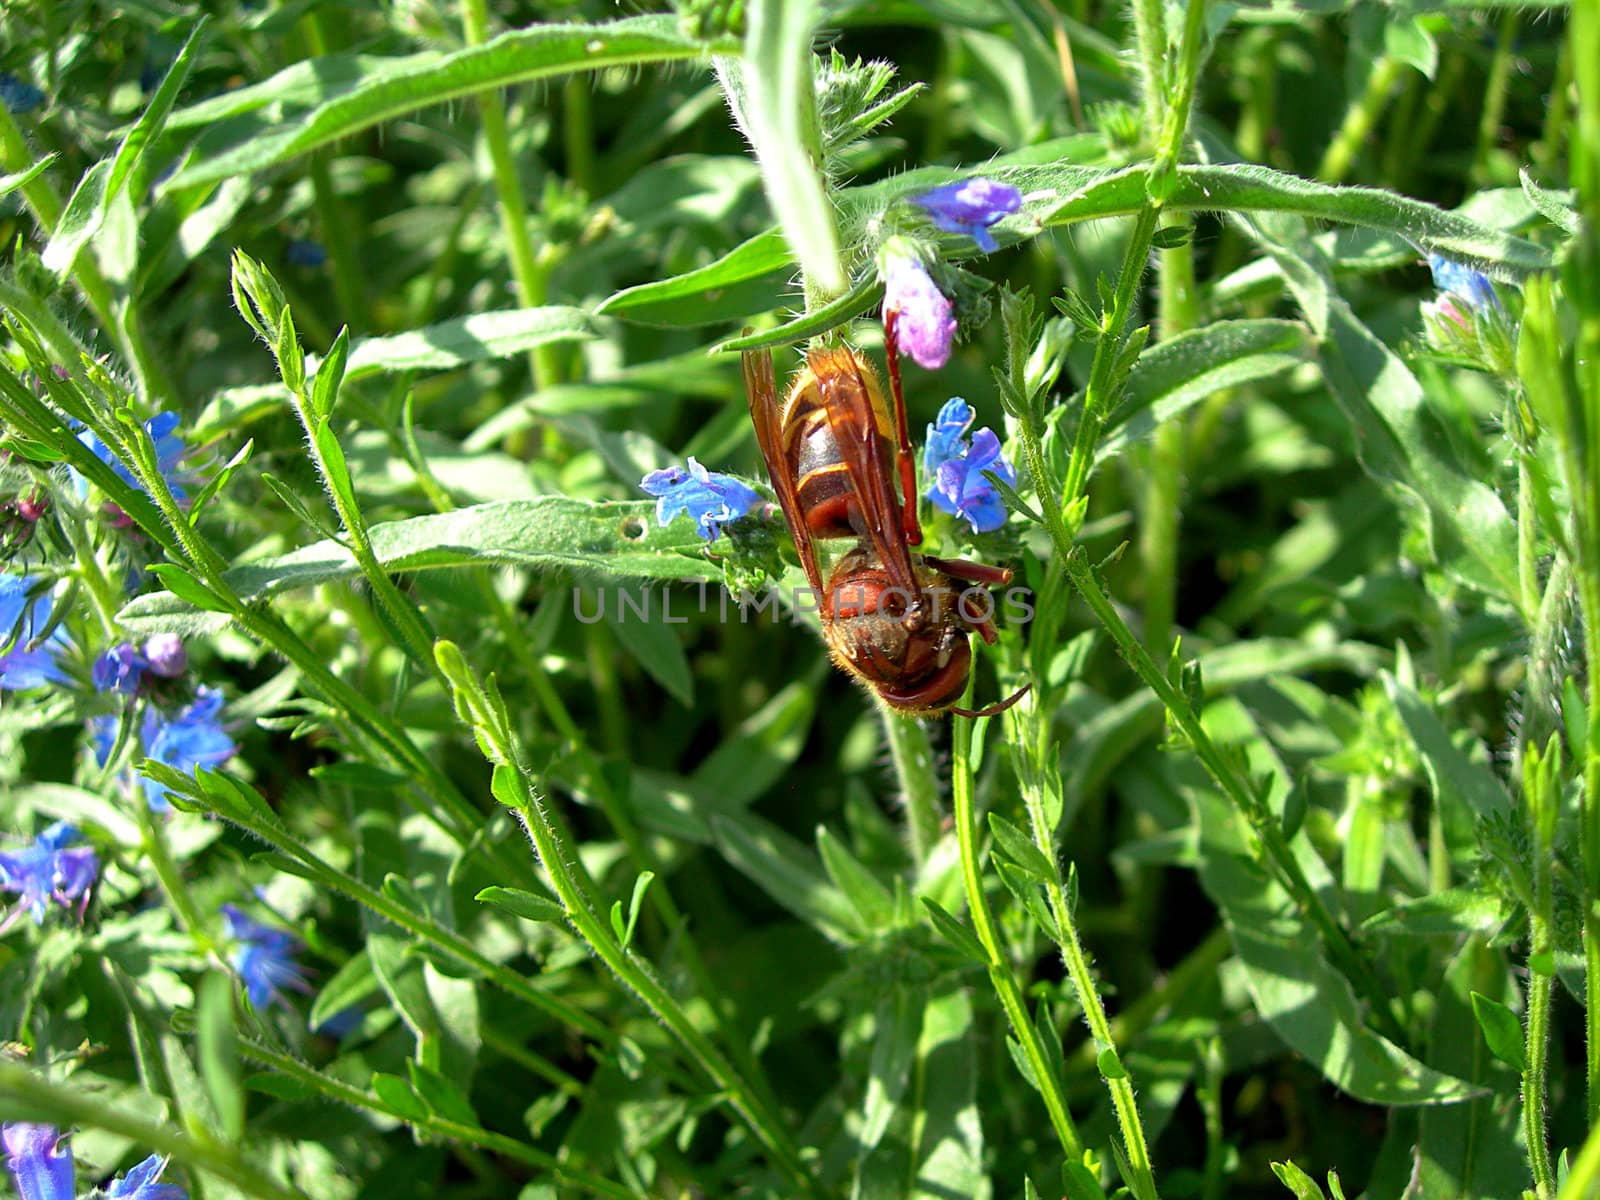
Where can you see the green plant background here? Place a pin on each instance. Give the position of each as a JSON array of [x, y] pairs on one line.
[[1286, 865]]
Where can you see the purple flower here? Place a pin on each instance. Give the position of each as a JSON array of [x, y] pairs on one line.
[[192, 738], [970, 206], [48, 870], [119, 670], [924, 322], [1463, 282], [170, 449], [710, 499], [140, 1183], [264, 958], [20, 666], [166, 655], [956, 469], [39, 1160]]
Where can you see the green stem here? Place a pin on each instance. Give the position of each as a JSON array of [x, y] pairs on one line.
[[1359, 120], [1583, 451], [161, 519], [418, 924], [1534, 1063], [1494, 99], [1118, 1082], [1272, 847], [1158, 541], [513, 787], [1527, 531], [24, 1093], [577, 132], [530, 272], [1138, 1016], [912, 756], [1000, 976], [1150, 38], [159, 854], [1097, 394], [432, 1123]]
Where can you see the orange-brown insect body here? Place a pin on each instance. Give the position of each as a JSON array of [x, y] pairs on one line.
[[893, 619]]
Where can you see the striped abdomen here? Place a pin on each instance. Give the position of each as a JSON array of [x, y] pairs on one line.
[[822, 480]]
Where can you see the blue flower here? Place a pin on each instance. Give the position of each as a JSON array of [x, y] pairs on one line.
[[103, 737], [140, 1183], [193, 738], [17, 95], [119, 669], [956, 469], [970, 206], [21, 666], [170, 449], [1465, 283], [51, 868], [264, 958], [303, 252], [39, 1160], [710, 499], [924, 321]]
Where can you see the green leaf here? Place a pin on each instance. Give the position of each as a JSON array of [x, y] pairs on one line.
[[777, 864], [300, 507], [530, 906], [219, 1053], [481, 337], [1174, 375], [641, 885], [1401, 440], [329, 375], [1019, 849], [187, 588], [1408, 40], [351, 984], [21, 179], [1306, 1000], [1297, 1181], [618, 538], [1454, 776], [398, 1096], [897, 1028], [934, 1145], [642, 621], [334, 471], [1454, 911], [836, 312], [404, 85], [91, 200], [751, 278], [956, 932], [1079, 1183], [871, 899], [441, 1095], [1241, 187], [80, 220], [1555, 207], [761, 750], [1109, 1065], [1502, 1031]]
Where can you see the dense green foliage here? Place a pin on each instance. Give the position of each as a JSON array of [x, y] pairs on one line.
[[1282, 875]]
